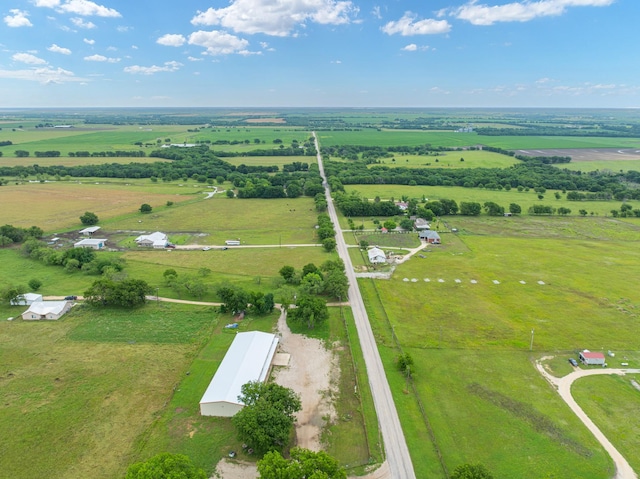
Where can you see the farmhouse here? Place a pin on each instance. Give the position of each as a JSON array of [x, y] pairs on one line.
[[46, 310], [376, 255], [25, 299], [154, 240], [89, 230], [588, 358], [429, 236], [90, 243], [248, 359]]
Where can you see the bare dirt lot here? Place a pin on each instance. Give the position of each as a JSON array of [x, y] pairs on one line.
[[312, 373], [587, 154]]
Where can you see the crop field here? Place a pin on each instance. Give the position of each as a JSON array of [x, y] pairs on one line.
[[452, 159], [471, 341], [504, 198], [78, 392]]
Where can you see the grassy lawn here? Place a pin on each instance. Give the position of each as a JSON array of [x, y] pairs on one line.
[[612, 403], [76, 393], [604, 165], [452, 159]]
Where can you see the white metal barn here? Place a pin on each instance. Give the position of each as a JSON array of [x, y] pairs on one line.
[[248, 359], [376, 255]]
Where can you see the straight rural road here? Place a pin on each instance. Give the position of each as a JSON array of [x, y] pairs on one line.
[[563, 385], [395, 445]]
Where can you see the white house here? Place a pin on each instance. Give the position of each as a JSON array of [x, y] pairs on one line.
[[25, 299], [93, 243], [46, 310], [421, 224], [89, 230], [154, 240], [376, 255], [248, 359]]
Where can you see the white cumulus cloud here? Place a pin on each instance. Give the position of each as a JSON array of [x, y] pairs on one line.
[[46, 3], [101, 58], [80, 23], [523, 11], [87, 8], [408, 25], [56, 49], [88, 41], [28, 58], [218, 43], [45, 75], [140, 70], [17, 18], [277, 18], [171, 40]]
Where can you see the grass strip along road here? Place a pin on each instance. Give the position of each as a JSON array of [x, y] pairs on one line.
[[395, 445]]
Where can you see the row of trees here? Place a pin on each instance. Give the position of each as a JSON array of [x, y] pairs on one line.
[[108, 154], [326, 233], [10, 234], [127, 293]]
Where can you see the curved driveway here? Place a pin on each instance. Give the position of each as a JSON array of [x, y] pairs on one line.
[[395, 445], [563, 386]]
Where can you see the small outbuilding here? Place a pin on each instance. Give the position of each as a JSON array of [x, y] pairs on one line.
[[46, 310], [249, 358], [376, 255], [89, 230], [429, 236], [93, 243], [591, 359], [25, 299], [421, 224]]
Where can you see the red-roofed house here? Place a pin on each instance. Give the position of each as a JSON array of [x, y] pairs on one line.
[[588, 358]]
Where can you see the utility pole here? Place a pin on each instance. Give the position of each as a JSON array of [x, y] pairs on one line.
[[531, 345]]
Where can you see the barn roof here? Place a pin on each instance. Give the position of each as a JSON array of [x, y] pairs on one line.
[[589, 355], [47, 307], [247, 359]]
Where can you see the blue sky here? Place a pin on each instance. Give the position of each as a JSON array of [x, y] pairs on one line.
[[333, 53]]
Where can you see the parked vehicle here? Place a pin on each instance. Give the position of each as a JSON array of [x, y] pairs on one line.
[[573, 362], [71, 297]]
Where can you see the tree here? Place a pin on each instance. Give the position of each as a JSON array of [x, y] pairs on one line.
[[262, 303], [127, 293], [564, 211], [390, 225], [329, 244], [35, 284], [493, 209], [471, 471], [515, 209], [406, 224], [288, 273], [230, 193], [234, 299], [302, 464], [312, 283], [166, 466], [169, 275], [266, 421], [5, 241], [89, 218], [470, 208], [145, 208], [405, 363], [309, 310], [336, 284], [13, 292]]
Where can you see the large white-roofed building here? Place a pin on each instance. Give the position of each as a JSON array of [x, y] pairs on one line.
[[46, 310], [249, 358]]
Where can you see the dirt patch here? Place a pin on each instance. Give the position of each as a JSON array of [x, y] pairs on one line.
[[235, 470], [313, 373]]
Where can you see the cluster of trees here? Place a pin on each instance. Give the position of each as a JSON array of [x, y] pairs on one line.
[[89, 218], [578, 196], [301, 464], [371, 154], [126, 293], [355, 205], [321, 202], [10, 234], [625, 211], [266, 420], [326, 233], [193, 285], [329, 279], [73, 259], [166, 466], [524, 175], [236, 300], [6, 143]]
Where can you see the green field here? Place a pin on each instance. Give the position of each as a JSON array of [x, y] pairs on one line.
[[604, 165], [452, 159]]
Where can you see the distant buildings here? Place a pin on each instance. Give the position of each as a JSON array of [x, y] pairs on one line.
[[93, 243], [429, 236], [154, 240]]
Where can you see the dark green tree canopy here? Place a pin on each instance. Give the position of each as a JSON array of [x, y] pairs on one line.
[[166, 466], [303, 464], [471, 471], [89, 218]]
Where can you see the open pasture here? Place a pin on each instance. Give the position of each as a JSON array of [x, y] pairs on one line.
[[58, 205], [252, 221], [76, 396], [373, 137], [504, 198], [452, 159]]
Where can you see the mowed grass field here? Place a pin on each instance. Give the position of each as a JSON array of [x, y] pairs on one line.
[[452, 159], [474, 374], [604, 165], [77, 393], [58, 205]]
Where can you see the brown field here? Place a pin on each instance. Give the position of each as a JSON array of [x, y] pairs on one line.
[[58, 205], [587, 154]]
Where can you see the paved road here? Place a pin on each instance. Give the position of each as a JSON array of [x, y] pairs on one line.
[[563, 385], [397, 452]]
